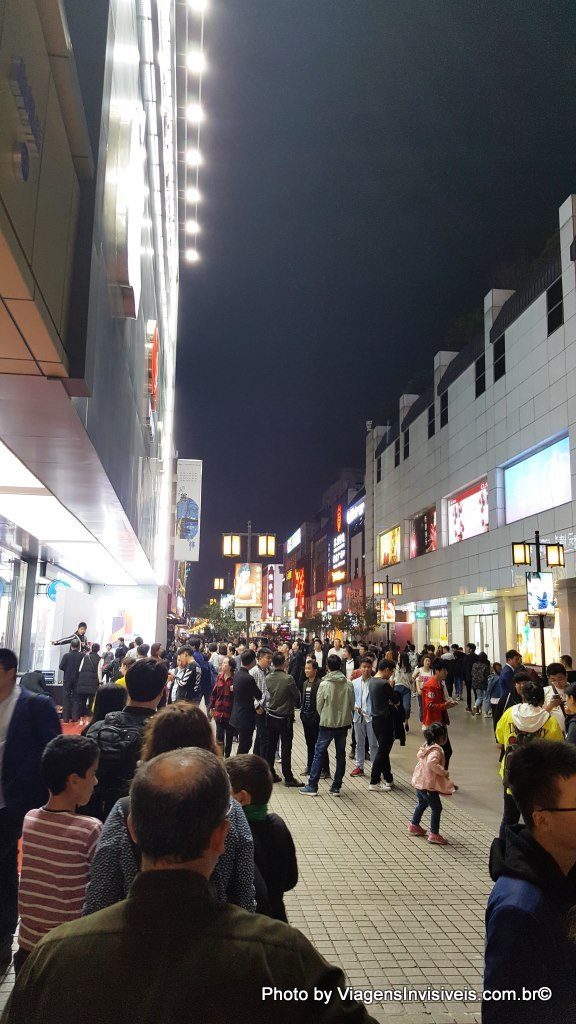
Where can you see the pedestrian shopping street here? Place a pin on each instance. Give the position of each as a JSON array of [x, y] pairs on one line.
[[389, 908]]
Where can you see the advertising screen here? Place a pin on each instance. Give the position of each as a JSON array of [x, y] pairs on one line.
[[293, 541], [540, 593], [188, 510], [387, 611], [389, 547], [539, 482], [423, 535], [468, 512], [248, 585]]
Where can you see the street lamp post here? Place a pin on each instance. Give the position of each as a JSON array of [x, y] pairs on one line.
[[231, 548], [522, 555], [396, 588]]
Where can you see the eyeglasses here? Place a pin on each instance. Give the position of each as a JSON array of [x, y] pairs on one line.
[[555, 810]]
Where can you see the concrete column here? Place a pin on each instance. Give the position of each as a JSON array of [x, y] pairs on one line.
[[29, 598]]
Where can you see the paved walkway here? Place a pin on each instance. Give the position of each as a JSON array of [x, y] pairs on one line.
[[392, 910]]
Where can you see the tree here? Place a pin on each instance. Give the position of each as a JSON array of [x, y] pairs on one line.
[[221, 621], [364, 614], [313, 623]]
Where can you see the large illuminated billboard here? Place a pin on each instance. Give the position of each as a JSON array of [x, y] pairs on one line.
[[540, 593], [423, 533], [468, 512], [248, 585], [539, 482], [389, 547]]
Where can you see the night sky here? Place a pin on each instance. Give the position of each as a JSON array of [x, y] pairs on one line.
[[370, 167]]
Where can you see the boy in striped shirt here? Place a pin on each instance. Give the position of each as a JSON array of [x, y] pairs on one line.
[[57, 843]]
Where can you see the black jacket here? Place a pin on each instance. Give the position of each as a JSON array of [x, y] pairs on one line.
[[275, 858], [528, 919], [70, 666], [88, 681], [467, 662], [244, 693], [296, 668], [33, 724], [311, 715]]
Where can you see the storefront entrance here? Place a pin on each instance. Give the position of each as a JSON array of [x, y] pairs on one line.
[[482, 630]]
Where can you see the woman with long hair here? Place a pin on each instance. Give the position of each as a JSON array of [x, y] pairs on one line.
[[116, 860], [221, 704]]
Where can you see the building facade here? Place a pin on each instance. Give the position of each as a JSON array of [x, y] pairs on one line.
[[484, 457]]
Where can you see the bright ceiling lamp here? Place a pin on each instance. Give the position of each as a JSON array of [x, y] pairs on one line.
[[199, 6], [42, 516], [193, 195], [192, 227], [13, 473], [195, 113], [92, 562], [196, 62], [192, 256], [194, 158]]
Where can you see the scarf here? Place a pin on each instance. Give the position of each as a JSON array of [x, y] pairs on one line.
[[255, 812]]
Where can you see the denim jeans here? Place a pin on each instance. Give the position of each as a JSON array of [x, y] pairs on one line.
[[363, 729], [406, 694], [325, 737], [311, 730], [458, 686], [426, 798], [480, 694]]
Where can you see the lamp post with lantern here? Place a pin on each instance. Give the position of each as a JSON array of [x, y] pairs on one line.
[[232, 546], [388, 587], [522, 555]]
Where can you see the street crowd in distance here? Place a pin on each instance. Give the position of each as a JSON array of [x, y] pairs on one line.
[[138, 836]]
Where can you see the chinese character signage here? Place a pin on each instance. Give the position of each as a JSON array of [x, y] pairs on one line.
[[188, 510], [299, 577]]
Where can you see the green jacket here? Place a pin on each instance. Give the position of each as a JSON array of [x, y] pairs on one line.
[[335, 701], [283, 694], [170, 954]]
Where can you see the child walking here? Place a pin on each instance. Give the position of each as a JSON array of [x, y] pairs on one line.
[[431, 778]]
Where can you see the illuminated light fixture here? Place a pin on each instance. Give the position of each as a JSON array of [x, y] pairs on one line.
[[196, 62], [521, 554], [378, 589], [199, 6], [397, 589], [195, 113], [194, 158], [192, 227], [218, 583], [231, 545], [320, 606], [124, 53], [213, 600], [555, 555], [267, 545], [193, 195], [192, 256]]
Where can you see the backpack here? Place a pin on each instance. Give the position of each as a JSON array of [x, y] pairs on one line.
[[515, 740], [119, 742]]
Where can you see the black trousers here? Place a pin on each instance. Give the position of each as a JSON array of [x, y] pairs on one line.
[[384, 731], [10, 832], [82, 704], [225, 735], [311, 729], [244, 740], [261, 741], [280, 729], [68, 702]]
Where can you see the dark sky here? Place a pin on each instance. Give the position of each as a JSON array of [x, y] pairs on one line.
[[368, 165]]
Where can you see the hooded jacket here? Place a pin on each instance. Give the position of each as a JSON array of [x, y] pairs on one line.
[[430, 773], [526, 718], [335, 701], [528, 918]]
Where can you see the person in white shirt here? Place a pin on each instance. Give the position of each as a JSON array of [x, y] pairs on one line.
[[260, 671], [555, 693], [338, 650], [362, 718], [318, 654]]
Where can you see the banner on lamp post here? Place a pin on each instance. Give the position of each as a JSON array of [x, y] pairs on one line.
[[188, 510]]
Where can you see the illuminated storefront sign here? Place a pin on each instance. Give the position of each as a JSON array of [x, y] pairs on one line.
[[389, 547], [270, 592], [468, 512], [299, 576], [355, 512], [338, 518], [338, 576], [539, 482], [334, 599], [423, 533], [338, 554], [293, 541]]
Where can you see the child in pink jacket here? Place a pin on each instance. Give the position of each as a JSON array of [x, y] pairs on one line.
[[430, 779]]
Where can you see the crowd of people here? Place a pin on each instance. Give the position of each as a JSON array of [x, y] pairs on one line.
[[146, 816]]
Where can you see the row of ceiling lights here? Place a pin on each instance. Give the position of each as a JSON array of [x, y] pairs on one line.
[[196, 65]]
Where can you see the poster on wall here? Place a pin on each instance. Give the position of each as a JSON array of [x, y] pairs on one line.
[[540, 593], [248, 585], [468, 512], [389, 547], [540, 482], [387, 611], [423, 534], [188, 510]]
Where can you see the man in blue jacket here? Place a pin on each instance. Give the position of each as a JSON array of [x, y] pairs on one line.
[[27, 722], [530, 918]]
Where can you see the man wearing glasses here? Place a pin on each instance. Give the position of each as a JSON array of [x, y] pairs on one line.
[[531, 917]]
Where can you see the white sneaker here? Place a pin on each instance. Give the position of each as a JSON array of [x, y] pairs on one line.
[[374, 787], [386, 786]]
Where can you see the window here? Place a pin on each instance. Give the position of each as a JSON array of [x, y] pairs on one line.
[[431, 420], [499, 357], [443, 409], [480, 376], [555, 306], [406, 443], [379, 469], [397, 452]]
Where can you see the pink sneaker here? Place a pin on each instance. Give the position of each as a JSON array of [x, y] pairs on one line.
[[416, 830], [435, 837]]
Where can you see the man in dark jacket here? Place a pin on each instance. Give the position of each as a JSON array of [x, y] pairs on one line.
[[27, 723], [79, 635], [246, 691], [513, 662], [296, 664], [530, 922], [283, 698], [467, 662], [70, 666]]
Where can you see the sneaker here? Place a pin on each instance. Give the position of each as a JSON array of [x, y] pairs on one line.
[[386, 786], [357, 771], [468, 711], [292, 783], [487, 714], [352, 755], [416, 830], [374, 787], [307, 791], [325, 775], [437, 839], [305, 773], [333, 792]]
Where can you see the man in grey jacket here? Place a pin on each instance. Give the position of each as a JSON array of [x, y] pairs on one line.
[[283, 698], [335, 704]]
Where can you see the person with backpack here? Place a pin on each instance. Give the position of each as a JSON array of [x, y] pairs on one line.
[[119, 735], [480, 673], [520, 725], [88, 682]]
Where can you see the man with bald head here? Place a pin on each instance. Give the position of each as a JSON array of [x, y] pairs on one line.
[[170, 952]]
